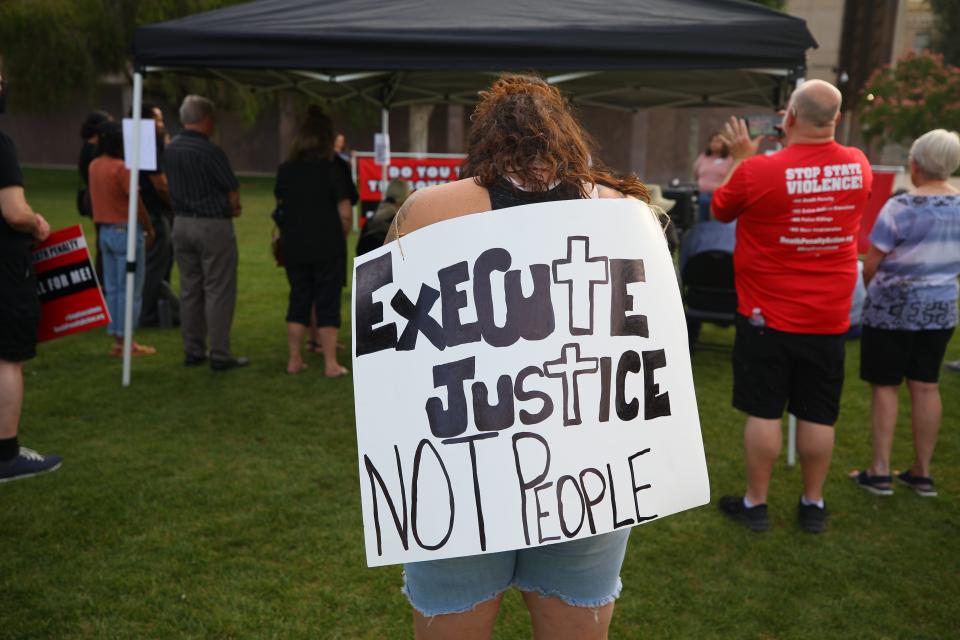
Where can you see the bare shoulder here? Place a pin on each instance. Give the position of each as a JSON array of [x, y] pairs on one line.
[[441, 202], [607, 192]]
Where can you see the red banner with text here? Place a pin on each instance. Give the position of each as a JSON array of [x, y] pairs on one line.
[[421, 172]]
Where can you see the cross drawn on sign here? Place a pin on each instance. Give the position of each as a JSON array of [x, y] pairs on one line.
[[568, 367], [580, 273]]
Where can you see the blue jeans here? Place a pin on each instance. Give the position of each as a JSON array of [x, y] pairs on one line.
[[113, 248], [582, 573], [705, 198]]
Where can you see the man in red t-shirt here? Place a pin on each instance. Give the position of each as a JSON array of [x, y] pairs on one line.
[[798, 212]]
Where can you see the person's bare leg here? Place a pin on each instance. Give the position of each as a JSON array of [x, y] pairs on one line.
[[815, 450], [554, 619], [762, 439], [883, 414], [328, 345], [476, 624], [926, 411], [314, 330], [11, 398], [295, 332]]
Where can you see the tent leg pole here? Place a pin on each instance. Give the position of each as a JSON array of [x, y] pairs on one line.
[[792, 419], [385, 130], [132, 229], [356, 207], [791, 439]]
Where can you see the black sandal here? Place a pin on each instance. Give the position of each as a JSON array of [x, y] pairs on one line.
[[877, 485], [921, 485]]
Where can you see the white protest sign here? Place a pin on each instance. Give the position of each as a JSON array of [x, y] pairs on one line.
[[522, 377], [148, 144]]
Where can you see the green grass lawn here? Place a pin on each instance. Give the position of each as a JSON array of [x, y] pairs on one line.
[[202, 505]]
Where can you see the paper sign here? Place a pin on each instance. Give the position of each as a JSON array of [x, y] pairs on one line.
[[522, 378], [381, 148], [883, 179], [148, 144], [70, 296]]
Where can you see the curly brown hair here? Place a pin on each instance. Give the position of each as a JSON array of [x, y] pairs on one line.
[[524, 128]]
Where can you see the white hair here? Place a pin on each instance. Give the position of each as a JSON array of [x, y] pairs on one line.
[[937, 153], [195, 108]]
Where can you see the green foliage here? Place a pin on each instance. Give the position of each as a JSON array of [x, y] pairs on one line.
[[56, 50], [947, 36], [902, 103], [195, 505]]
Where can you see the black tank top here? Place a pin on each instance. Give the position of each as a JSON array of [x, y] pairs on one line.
[[504, 194]]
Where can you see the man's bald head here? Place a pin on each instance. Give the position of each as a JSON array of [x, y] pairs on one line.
[[816, 103]]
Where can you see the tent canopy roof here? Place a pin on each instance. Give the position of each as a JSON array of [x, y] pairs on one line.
[[440, 50]]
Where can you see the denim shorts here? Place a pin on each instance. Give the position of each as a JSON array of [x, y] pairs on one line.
[[582, 573]]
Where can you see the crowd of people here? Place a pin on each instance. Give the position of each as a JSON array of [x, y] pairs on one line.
[[186, 207], [795, 259]]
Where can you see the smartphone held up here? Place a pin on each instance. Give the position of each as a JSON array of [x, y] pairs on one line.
[[770, 126]]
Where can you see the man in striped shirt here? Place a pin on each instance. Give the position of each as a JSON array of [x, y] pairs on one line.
[[205, 196]]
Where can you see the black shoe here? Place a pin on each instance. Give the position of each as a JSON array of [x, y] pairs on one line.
[[812, 518], [27, 464], [755, 518], [921, 485], [877, 485], [226, 365], [193, 361]]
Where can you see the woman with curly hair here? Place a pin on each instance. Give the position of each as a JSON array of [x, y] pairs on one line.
[[524, 147]]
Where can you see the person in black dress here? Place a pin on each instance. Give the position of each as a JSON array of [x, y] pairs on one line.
[[314, 197]]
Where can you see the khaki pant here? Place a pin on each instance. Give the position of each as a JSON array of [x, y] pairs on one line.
[[206, 252]]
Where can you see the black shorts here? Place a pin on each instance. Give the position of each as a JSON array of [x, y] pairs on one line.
[[19, 309], [773, 369], [888, 356], [314, 286]]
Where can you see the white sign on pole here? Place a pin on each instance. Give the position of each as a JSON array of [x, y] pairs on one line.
[[381, 148], [148, 144], [522, 377]]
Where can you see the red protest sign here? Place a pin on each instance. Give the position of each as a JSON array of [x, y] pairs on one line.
[[419, 172], [70, 296], [883, 179]]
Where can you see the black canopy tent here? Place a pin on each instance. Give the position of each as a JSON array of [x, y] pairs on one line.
[[612, 53], [619, 54]]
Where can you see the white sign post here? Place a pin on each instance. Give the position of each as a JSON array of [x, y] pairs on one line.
[[522, 377]]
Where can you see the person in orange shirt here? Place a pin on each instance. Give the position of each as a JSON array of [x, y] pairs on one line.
[[109, 195]]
